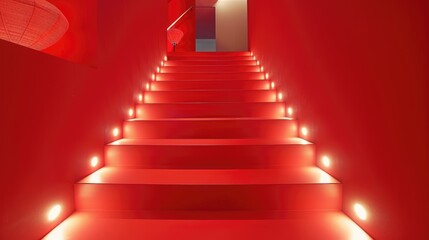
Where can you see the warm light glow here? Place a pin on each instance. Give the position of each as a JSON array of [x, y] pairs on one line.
[[165, 58], [267, 75], [290, 111], [251, 54], [115, 132], [153, 77], [94, 162], [140, 97], [131, 112], [147, 86], [257, 63], [273, 85], [158, 69], [280, 96], [262, 69], [360, 211], [304, 131], [254, 57], [326, 161], [162, 63], [54, 213]]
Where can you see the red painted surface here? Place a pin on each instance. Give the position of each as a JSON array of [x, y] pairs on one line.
[[57, 114], [187, 24], [205, 23], [358, 72], [179, 165]]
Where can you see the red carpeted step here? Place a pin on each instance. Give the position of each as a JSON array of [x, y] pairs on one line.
[[293, 189], [210, 68], [210, 76], [209, 153], [210, 128], [210, 96], [210, 62], [215, 57], [210, 85], [210, 110], [298, 226]]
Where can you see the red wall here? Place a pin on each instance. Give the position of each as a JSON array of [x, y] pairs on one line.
[[187, 24], [357, 72], [57, 114]]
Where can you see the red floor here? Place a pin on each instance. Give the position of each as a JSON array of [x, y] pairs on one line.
[[210, 155]]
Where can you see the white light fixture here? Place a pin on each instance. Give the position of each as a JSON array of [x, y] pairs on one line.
[[165, 58], [162, 63], [147, 86], [262, 69], [254, 57], [153, 77], [94, 162], [280, 96], [140, 97], [267, 75], [326, 161], [304, 131], [360, 211], [273, 85], [54, 212], [158, 69], [290, 111], [251, 54], [115, 132], [258, 63], [131, 112]]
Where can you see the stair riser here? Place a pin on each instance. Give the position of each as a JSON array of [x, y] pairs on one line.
[[210, 63], [135, 197], [209, 96], [207, 110], [209, 85], [209, 157], [210, 129], [202, 69], [210, 58], [209, 76], [209, 54]]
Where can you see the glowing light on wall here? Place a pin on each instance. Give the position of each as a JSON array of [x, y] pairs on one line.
[[304, 131], [254, 57], [258, 63], [158, 69], [153, 77], [280, 96], [147, 86], [94, 162], [162, 63], [267, 76], [360, 211], [262, 69], [326, 161], [140, 97], [115, 132], [36, 24], [131, 112], [290, 111], [251, 54], [165, 58], [54, 212]]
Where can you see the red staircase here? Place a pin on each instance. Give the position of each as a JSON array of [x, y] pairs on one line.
[[210, 155]]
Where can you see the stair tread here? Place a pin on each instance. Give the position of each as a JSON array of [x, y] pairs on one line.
[[214, 142], [209, 119], [296, 175], [314, 225]]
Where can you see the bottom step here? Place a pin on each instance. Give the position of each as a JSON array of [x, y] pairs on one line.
[[300, 226]]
